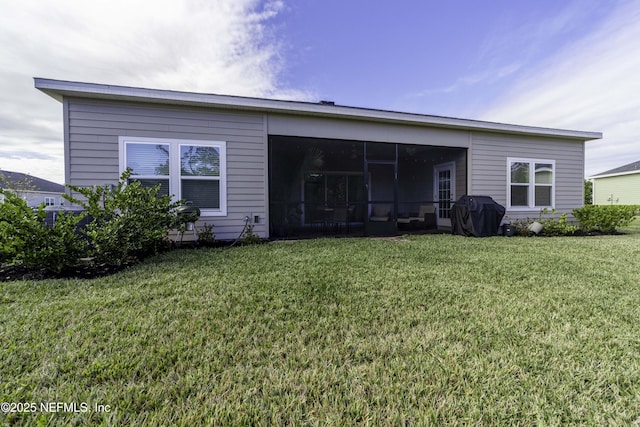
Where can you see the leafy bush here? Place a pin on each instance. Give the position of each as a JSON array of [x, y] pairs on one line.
[[206, 237], [13, 213], [26, 239], [551, 226], [605, 218], [250, 238], [128, 221], [556, 226]]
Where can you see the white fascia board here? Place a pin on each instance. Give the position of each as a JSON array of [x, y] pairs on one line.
[[610, 175], [59, 89]]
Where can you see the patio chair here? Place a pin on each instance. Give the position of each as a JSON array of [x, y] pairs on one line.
[[380, 213], [427, 215], [426, 218]]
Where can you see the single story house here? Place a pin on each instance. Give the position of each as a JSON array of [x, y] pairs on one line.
[[299, 168], [618, 186], [32, 189]]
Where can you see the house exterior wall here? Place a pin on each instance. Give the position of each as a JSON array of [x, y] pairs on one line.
[[94, 127], [36, 198], [488, 168], [617, 190]]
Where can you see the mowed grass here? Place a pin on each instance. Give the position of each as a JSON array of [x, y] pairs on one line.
[[423, 330]]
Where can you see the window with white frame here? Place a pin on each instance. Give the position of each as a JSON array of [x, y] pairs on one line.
[[531, 183], [190, 170], [49, 201]]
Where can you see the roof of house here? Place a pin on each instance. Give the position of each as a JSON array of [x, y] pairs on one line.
[[31, 183], [631, 168], [59, 89]]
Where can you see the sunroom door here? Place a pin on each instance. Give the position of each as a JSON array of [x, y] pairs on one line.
[[444, 191]]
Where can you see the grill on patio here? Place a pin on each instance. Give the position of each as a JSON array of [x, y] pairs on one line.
[[477, 216]]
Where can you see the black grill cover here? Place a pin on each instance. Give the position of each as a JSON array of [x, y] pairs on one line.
[[478, 216]]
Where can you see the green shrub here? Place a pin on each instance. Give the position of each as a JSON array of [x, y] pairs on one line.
[[556, 226], [249, 237], [605, 218], [128, 221], [206, 237], [25, 238], [13, 213]]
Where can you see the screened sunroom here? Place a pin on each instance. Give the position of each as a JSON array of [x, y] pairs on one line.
[[345, 187]]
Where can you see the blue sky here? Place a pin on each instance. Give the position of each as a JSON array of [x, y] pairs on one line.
[[566, 64], [443, 58]]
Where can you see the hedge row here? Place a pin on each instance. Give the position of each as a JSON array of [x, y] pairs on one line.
[[605, 218]]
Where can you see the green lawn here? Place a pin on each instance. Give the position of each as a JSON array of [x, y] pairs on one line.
[[433, 329]]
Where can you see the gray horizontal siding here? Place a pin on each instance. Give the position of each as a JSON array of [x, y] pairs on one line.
[[489, 167], [94, 128], [113, 109], [360, 130], [154, 129]]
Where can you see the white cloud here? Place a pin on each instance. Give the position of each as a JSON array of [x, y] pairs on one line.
[[510, 37], [488, 76], [214, 46], [591, 84]]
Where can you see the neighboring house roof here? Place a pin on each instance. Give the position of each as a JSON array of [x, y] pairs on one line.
[[59, 89], [631, 168], [33, 183]]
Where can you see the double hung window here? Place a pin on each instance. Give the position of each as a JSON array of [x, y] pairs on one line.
[[189, 170], [531, 183]]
